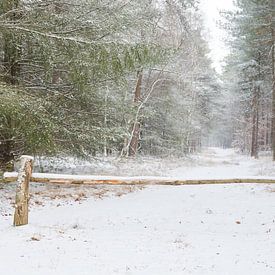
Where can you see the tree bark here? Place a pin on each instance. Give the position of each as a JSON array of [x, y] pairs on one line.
[[12, 47], [133, 147], [255, 124], [273, 92], [22, 192], [11, 58]]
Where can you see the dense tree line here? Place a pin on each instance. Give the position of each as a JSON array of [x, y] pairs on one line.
[[249, 75], [99, 77]]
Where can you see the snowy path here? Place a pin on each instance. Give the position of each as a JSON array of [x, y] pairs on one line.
[[224, 163], [158, 230]]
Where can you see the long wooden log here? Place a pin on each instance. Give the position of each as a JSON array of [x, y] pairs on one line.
[[99, 180], [22, 192]]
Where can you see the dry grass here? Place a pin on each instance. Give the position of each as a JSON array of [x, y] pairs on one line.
[[59, 195]]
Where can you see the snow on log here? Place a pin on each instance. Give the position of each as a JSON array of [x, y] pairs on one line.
[[22, 191], [114, 180]]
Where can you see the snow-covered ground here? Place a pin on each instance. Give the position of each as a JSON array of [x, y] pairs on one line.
[[225, 161], [154, 230]]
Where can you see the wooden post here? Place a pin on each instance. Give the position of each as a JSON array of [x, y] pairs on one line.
[[22, 191]]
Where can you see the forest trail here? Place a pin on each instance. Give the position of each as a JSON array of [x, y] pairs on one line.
[[219, 163], [209, 164], [85, 84]]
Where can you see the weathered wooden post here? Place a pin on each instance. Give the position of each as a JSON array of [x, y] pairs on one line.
[[22, 191]]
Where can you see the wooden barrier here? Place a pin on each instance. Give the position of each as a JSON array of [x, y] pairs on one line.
[[113, 180], [22, 191], [24, 176]]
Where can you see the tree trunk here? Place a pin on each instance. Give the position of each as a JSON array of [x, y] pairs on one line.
[[12, 47], [133, 147], [255, 124], [273, 93], [22, 192], [11, 58], [7, 149]]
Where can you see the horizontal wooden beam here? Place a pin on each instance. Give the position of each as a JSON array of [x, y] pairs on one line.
[[99, 180]]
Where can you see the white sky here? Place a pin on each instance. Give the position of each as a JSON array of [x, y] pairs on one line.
[[214, 35]]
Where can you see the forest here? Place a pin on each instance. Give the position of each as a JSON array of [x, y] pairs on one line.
[[96, 78], [137, 137]]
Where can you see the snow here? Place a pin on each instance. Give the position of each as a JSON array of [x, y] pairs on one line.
[[103, 230], [225, 163], [212, 163]]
